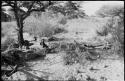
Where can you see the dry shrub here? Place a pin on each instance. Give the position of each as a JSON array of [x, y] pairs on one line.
[[42, 29], [71, 58], [116, 29], [118, 37], [73, 55], [8, 41], [63, 47], [39, 29], [116, 25], [103, 32], [59, 30], [8, 28]]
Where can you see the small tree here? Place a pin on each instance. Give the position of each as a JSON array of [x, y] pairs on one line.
[[23, 9], [111, 11]]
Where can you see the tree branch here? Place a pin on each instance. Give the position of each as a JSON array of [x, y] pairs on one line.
[[12, 4], [31, 6], [32, 10]]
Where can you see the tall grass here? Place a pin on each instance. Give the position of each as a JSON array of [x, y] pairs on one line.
[[8, 28], [73, 54], [7, 42], [44, 25]]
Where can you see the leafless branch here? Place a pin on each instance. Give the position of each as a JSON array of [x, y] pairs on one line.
[[9, 3]]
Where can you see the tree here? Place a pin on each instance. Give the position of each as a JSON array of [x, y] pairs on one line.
[[70, 9], [23, 9], [111, 11]]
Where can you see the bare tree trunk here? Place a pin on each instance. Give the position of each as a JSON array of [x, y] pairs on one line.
[[20, 32], [19, 21]]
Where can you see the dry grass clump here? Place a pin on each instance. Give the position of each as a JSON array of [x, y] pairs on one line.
[[70, 58], [6, 43], [43, 29], [44, 25], [8, 27], [73, 55], [103, 32]]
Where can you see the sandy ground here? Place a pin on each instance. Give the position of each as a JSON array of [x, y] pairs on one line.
[[53, 68]]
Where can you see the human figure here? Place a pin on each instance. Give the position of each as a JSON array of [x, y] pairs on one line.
[[43, 44]]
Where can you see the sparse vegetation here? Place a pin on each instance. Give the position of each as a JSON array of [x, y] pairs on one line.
[[74, 43], [74, 54], [45, 29]]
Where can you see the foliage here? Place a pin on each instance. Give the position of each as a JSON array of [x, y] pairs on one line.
[[23, 9], [47, 28], [70, 58], [118, 37], [59, 30], [73, 55], [8, 28], [8, 41], [103, 32], [116, 29], [69, 9], [115, 25], [111, 11]]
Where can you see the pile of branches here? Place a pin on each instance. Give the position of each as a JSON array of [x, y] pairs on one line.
[[13, 59], [104, 46]]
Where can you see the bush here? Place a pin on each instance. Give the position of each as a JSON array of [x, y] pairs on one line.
[[73, 55], [8, 28], [8, 41], [118, 38], [46, 28], [59, 30], [103, 32], [63, 47], [111, 10]]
